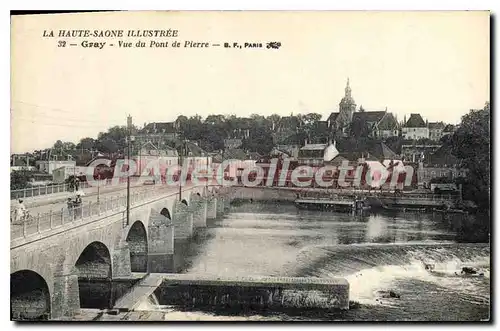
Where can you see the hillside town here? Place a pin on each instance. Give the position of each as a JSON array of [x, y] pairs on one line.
[[352, 133]]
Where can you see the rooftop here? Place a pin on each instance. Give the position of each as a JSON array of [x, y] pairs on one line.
[[415, 121], [159, 127], [436, 125], [313, 147], [369, 116]]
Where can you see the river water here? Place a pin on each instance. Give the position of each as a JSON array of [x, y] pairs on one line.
[[374, 252]]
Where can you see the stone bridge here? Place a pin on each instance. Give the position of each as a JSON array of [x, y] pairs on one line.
[[55, 268]]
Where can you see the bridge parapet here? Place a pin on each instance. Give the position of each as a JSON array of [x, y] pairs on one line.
[[35, 225]]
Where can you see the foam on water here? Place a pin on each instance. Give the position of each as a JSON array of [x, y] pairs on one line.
[[149, 304], [366, 283]]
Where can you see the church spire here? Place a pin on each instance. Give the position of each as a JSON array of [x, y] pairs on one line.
[[348, 89]]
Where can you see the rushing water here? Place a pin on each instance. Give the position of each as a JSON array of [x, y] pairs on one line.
[[374, 252]]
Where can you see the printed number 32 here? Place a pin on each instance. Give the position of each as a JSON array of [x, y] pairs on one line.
[[61, 43]]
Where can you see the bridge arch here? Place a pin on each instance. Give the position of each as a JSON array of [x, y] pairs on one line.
[[94, 272], [29, 296], [184, 201], [137, 241], [165, 212]]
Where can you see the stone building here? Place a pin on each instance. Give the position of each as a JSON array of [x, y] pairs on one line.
[[436, 130], [158, 132], [418, 152], [415, 128], [315, 155], [338, 122], [377, 123]]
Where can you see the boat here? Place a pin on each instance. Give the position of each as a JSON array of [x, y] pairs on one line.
[[451, 211], [337, 203], [404, 209]]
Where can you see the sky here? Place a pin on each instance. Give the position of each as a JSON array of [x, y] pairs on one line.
[[433, 63]]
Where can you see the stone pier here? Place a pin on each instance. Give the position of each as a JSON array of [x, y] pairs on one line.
[[211, 207], [66, 296], [121, 261], [220, 206], [160, 245], [183, 221], [199, 208]]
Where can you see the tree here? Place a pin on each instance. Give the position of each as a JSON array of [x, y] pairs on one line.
[[108, 145], [273, 119], [86, 143], [471, 145], [395, 144], [359, 128], [20, 179], [58, 145], [259, 140], [113, 140], [258, 118], [215, 119], [194, 129], [311, 119]]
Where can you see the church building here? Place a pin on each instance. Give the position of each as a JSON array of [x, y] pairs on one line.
[[376, 123]]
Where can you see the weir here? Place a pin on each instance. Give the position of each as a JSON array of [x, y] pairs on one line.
[[140, 292], [239, 292]]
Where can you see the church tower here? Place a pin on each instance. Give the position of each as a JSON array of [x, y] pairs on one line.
[[347, 107]]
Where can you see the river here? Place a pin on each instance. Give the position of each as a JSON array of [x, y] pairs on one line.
[[374, 252]]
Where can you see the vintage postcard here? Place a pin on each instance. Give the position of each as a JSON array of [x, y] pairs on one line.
[[250, 166]]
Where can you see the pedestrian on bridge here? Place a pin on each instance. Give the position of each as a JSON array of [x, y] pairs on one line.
[[69, 202], [77, 205], [21, 212]]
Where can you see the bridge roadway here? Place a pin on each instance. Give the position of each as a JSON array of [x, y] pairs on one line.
[[92, 197], [47, 216], [56, 201]]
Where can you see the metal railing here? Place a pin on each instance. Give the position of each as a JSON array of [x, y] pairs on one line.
[[352, 192], [38, 190], [421, 196], [325, 196], [48, 189], [35, 224]]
